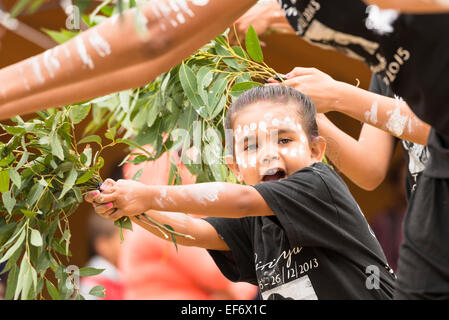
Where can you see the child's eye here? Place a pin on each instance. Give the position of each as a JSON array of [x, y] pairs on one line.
[[284, 140], [251, 147]]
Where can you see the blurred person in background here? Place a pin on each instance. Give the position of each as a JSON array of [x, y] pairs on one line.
[[104, 245], [104, 249], [387, 225]]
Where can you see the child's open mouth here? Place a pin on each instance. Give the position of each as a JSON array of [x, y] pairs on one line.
[[274, 174]]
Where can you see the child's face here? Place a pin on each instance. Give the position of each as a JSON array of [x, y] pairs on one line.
[[270, 143]]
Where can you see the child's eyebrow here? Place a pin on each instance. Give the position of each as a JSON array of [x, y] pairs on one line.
[[286, 130]]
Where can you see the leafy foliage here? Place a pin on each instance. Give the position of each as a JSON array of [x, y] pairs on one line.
[[43, 177]]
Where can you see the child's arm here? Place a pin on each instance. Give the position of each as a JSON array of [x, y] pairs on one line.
[[66, 73], [364, 161], [203, 233], [131, 198]]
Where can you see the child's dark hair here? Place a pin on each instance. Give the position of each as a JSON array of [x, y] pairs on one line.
[[277, 94]]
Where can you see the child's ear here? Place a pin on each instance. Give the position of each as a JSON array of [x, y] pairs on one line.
[[232, 164], [318, 148]]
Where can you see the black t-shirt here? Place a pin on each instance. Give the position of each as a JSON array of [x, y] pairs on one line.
[[318, 245], [412, 59], [416, 155]]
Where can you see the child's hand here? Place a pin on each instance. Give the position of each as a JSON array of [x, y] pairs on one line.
[[119, 198], [319, 86]]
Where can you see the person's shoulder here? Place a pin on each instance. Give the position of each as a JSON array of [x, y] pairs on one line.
[[317, 170]]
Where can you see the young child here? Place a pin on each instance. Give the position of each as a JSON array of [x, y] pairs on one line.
[[294, 229]]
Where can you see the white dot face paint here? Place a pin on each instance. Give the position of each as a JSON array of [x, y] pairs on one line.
[[263, 126], [253, 126], [303, 138], [371, 116], [100, 45], [284, 151], [82, 52], [252, 161], [293, 153], [275, 122], [268, 116]]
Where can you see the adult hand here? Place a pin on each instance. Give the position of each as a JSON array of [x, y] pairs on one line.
[[119, 198], [317, 85], [265, 18]]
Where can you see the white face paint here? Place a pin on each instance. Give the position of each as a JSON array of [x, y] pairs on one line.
[[284, 151], [100, 45], [371, 116], [37, 70], [275, 122], [253, 126], [252, 161], [82, 52], [268, 116], [263, 126]]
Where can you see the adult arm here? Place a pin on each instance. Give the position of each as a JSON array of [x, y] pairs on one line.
[[67, 73], [392, 115], [365, 161], [413, 6], [266, 17]]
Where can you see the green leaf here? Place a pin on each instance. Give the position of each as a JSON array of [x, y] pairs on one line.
[[60, 37], [85, 177], [19, 7], [88, 271], [231, 61], [28, 213], [92, 138], [23, 160], [253, 45], [137, 175], [52, 290], [98, 291], [15, 177], [69, 182], [4, 180], [11, 283], [8, 201], [190, 86], [78, 113], [243, 86], [14, 247], [134, 145], [173, 238], [34, 194], [56, 146], [36, 238]]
